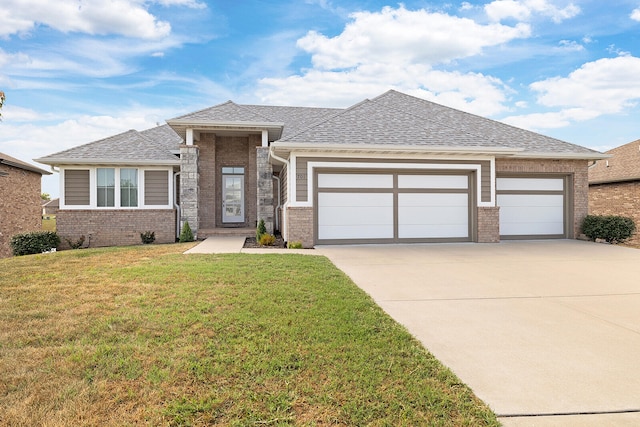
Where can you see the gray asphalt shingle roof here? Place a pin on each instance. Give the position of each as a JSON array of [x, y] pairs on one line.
[[393, 118], [400, 119], [151, 145]]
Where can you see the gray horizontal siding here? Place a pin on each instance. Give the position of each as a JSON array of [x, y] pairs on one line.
[[156, 188]]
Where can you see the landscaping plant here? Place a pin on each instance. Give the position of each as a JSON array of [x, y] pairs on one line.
[[186, 235], [35, 242], [611, 228]]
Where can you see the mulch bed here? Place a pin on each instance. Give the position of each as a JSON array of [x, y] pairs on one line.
[[250, 242]]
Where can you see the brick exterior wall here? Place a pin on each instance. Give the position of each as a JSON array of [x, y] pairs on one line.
[[489, 224], [20, 204], [300, 225], [622, 198], [577, 168], [115, 227]]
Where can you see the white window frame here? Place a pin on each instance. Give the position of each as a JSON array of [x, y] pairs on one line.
[[93, 188]]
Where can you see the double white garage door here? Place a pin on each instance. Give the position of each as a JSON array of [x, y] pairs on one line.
[[404, 207], [392, 207]]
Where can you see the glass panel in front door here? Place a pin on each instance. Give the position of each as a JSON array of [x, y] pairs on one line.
[[232, 198]]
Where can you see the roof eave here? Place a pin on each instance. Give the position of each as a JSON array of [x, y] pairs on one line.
[[180, 126], [372, 148], [25, 166], [67, 161], [561, 155]]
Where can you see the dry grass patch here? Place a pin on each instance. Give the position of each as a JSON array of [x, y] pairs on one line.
[[148, 336]]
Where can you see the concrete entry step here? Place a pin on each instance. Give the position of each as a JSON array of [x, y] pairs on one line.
[[226, 231]]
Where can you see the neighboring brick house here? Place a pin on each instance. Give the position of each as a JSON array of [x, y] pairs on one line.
[[614, 184], [20, 191], [391, 169]]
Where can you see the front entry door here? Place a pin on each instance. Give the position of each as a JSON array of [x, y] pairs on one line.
[[232, 198]]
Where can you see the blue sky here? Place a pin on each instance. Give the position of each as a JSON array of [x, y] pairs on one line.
[[75, 71]]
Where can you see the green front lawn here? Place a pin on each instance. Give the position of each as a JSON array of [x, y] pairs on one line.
[[148, 336]]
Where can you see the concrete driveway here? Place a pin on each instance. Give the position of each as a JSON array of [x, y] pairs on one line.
[[547, 333]]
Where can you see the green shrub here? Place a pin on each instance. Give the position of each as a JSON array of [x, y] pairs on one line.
[[148, 237], [186, 235], [611, 228], [261, 230], [294, 245], [34, 243], [75, 244], [267, 239]]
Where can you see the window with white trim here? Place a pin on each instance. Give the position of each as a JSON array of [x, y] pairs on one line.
[[128, 188], [106, 184]]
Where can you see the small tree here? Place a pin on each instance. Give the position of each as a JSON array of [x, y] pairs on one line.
[[45, 196], [261, 230], [186, 235]]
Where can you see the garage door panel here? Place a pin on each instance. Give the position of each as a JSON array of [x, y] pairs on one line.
[[530, 184], [433, 215], [433, 181], [428, 231], [531, 214], [355, 215], [352, 180], [353, 232]]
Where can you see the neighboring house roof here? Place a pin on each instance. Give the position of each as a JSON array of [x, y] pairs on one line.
[[5, 159], [152, 146], [397, 119], [623, 165], [51, 204]]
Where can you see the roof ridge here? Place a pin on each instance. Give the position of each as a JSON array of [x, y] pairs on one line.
[[326, 119], [201, 110]]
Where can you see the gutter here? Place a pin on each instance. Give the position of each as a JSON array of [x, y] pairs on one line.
[[277, 178], [283, 228], [176, 205]]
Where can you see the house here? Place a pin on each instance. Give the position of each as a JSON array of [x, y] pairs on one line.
[[614, 184], [20, 189], [50, 207], [391, 169]]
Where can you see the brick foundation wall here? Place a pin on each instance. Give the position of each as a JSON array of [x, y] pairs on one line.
[[489, 224], [115, 227], [300, 225], [577, 168], [20, 205], [621, 198]]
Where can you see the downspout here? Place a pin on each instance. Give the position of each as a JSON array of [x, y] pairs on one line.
[[277, 178], [283, 229], [175, 204]]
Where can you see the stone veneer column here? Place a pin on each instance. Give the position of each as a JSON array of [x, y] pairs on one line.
[[265, 188], [489, 224], [189, 187]]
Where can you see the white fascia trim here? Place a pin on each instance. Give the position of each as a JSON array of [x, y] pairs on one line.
[[79, 163], [560, 156], [424, 166], [443, 149], [206, 124]]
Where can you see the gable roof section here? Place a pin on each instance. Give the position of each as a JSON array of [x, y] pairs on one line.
[[280, 121], [624, 165], [6, 159], [152, 146], [398, 120]]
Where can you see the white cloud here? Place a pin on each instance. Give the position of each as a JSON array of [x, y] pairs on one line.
[[396, 48], [608, 85], [605, 86], [471, 92], [128, 18], [403, 36], [523, 10], [571, 46], [635, 15]]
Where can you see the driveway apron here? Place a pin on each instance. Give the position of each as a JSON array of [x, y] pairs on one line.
[[545, 332]]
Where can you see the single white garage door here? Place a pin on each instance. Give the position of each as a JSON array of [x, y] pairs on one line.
[[392, 207], [531, 207]]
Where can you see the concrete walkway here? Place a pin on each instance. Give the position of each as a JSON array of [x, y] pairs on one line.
[[547, 333], [234, 244]]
